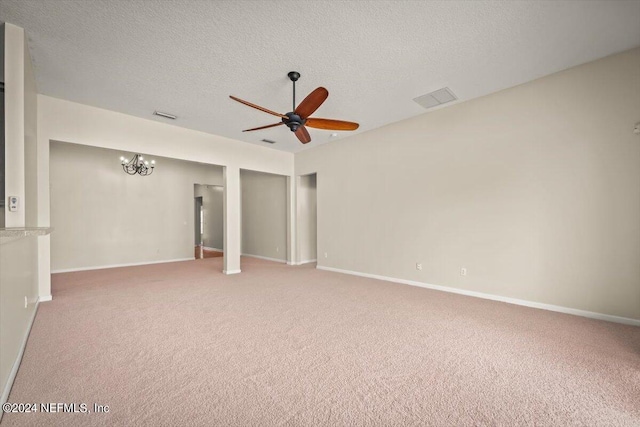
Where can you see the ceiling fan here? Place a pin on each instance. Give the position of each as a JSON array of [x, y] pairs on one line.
[[298, 120]]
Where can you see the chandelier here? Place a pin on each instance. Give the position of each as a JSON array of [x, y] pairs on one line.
[[137, 165]]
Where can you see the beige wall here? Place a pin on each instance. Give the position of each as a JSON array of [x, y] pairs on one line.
[[307, 218], [18, 256], [67, 121], [20, 129], [2, 162], [103, 217], [60, 120], [30, 141], [18, 279], [264, 214], [535, 190], [14, 92], [213, 211]]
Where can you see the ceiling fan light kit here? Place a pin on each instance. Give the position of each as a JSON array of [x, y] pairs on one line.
[[298, 120]]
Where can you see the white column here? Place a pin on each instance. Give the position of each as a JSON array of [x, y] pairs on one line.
[[231, 220], [44, 268], [44, 214], [292, 209], [14, 123]]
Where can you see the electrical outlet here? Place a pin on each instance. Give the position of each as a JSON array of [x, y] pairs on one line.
[[326, 255], [277, 248], [26, 302], [463, 271], [14, 203], [418, 266]]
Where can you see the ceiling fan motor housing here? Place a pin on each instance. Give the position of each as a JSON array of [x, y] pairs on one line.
[[294, 121]]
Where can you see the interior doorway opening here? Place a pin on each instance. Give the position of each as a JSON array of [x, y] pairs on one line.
[[208, 221], [307, 214]]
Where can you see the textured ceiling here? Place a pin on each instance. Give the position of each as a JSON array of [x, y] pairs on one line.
[[374, 57]]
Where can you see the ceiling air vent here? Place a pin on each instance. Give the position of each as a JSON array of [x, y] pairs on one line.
[[165, 115], [433, 99], [268, 141]]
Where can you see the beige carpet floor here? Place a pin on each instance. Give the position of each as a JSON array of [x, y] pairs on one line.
[[181, 344]]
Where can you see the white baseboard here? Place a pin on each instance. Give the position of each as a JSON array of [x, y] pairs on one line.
[[44, 298], [308, 261], [132, 264], [532, 304], [265, 258], [16, 363], [231, 271]]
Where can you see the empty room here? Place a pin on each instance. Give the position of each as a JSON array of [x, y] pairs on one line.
[[320, 213]]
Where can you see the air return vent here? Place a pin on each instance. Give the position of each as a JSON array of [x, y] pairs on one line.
[[268, 141], [165, 115], [433, 99]]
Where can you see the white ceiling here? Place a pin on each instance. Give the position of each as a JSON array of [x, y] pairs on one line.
[[374, 57]]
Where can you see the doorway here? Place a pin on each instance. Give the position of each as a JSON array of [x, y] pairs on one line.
[[198, 222], [307, 214], [208, 221]]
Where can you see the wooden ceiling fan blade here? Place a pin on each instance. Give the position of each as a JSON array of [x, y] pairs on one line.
[[312, 102], [330, 124], [263, 127], [303, 135], [257, 107]]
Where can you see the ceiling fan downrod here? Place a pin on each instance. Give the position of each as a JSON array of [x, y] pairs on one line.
[[294, 76]]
